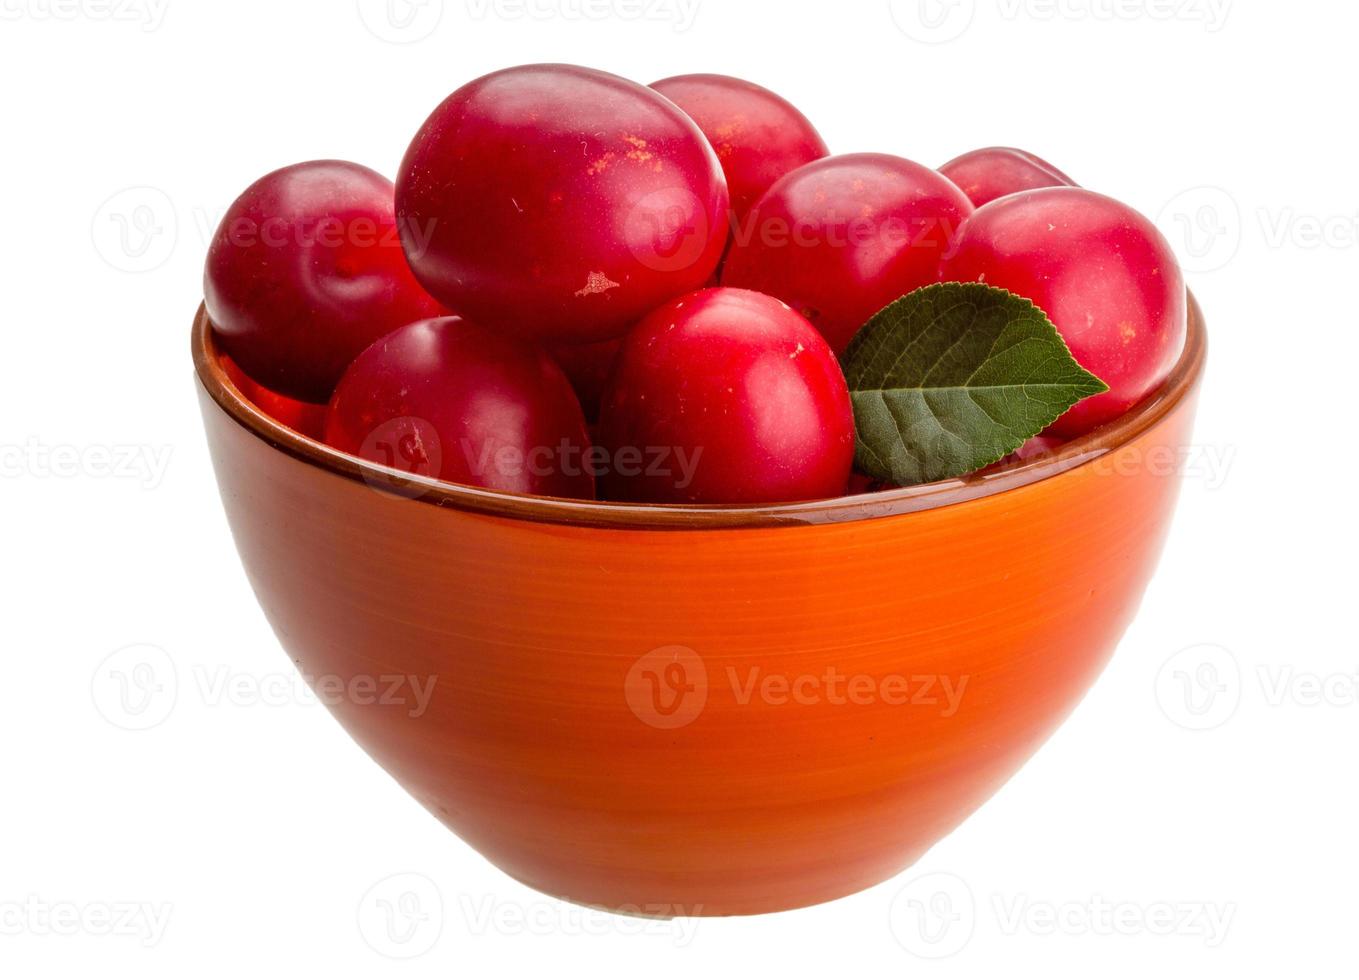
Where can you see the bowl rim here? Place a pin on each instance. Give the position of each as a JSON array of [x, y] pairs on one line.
[[1182, 382]]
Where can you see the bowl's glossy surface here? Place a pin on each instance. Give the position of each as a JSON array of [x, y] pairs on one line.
[[702, 710]]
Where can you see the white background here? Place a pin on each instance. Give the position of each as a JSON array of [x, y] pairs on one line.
[[244, 834]]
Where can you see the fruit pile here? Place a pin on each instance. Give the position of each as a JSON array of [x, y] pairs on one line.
[[584, 287]]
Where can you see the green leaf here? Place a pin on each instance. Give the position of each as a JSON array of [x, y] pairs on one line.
[[954, 377]]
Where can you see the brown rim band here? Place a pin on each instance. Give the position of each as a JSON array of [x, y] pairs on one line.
[[887, 503]]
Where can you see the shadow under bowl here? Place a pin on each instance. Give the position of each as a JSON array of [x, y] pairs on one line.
[[700, 710]]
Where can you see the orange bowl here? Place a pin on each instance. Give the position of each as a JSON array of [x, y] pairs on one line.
[[700, 710]]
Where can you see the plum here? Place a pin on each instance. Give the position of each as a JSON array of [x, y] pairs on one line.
[[447, 399], [726, 396], [305, 271], [984, 175], [759, 136], [840, 238], [1103, 274], [560, 203]]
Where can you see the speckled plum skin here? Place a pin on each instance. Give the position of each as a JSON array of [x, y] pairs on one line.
[[1103, 274], [986, 174], [447, 399], [842, 237], [743, 388], [758, 135], [305, 271], [560, 203]]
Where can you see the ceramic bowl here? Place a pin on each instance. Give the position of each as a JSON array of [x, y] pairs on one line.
[[700, 710]]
